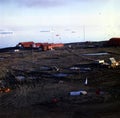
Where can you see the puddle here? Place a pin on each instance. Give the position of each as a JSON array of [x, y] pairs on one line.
[[85, 69], [45, 68], [51, 58], [96, 54], [74, 68], [77, 93], [81, 69], [61, 75], [20, 78], [1, 58]]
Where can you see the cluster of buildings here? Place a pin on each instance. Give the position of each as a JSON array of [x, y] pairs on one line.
[[43, 46], [49, 46]]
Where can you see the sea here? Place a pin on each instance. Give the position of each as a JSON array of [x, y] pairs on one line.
[[12, 36]]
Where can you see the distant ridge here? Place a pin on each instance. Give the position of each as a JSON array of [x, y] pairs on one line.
[[7, 49]]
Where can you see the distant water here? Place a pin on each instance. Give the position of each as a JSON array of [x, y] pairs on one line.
[[53, 35], [96, 54], [60, 75]]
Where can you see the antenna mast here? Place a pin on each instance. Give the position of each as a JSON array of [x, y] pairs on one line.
[[84, 32]]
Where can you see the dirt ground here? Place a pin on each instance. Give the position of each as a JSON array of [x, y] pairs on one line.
[[41, 83]]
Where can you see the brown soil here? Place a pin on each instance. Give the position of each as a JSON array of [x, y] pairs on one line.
[[44, 95]]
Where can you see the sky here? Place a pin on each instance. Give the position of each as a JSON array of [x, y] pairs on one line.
[[58, 21]]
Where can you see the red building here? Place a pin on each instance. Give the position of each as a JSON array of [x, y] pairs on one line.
[[26, 44], [37, 45], [43, 46], [49, 46], [114, 42]]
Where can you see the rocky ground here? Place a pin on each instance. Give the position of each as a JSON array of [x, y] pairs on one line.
[[40, 83]]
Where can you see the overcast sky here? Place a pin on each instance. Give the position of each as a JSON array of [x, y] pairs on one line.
[[21, 15]]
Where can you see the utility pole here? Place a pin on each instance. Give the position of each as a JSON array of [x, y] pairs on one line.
[[84, 33]]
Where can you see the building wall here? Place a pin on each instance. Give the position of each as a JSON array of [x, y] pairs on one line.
[[114, 42], [26, 44], [44, 46]]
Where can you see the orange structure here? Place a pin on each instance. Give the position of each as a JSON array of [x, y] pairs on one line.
[[37, 45], [26, 44], [50, 46], [43, 46], [57, 45]]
